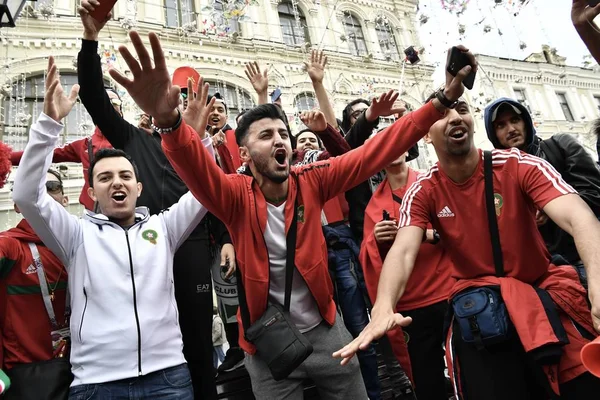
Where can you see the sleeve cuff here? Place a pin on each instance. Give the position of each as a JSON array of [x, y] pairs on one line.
[[178, 138], [89, 46], [425, 116]]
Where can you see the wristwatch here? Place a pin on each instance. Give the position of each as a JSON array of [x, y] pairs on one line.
[[168, 130], [444, 100], [436, 237]]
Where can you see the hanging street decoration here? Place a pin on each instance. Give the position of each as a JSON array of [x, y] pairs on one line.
[[455, 6]]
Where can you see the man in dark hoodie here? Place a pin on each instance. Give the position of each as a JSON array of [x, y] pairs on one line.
[[509, 124]]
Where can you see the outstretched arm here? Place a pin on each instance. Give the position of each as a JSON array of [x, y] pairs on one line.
[[58, 229], [151, 88], [575, 217], [397, 268], [92, 93], [316, 72], [259, 81]]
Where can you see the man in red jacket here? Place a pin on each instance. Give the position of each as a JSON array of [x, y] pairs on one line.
[[258, 211], [24, 322], [548, 317]]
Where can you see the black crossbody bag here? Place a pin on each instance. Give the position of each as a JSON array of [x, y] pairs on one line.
[[43, 380], [278, 341]]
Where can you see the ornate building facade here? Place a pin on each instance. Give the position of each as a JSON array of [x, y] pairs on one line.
[[364, 40]]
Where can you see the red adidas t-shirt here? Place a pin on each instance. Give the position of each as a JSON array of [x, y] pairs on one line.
[[522, 184]]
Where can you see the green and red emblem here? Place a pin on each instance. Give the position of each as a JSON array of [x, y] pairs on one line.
[[150, 235]]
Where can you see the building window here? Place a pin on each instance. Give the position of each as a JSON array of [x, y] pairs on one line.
[[24, 106], [597, 100], [237, 99], [522, 98], [564, 104], [179, 12], [295, 32], [387, 42], [305, 102], [354, 35]]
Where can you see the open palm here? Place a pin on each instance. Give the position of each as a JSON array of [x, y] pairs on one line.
[[258, 79], [57, 105], [151, 86], [197, 112], [316, 66]]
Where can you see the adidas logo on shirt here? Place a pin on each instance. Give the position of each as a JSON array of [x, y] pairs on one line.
[[31, 270], [445, 213]]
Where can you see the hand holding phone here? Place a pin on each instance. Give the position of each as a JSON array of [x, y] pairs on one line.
[[457, 60], [101, 11], [386, 215]]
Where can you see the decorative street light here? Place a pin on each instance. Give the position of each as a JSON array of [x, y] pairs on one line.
[[9, 12]]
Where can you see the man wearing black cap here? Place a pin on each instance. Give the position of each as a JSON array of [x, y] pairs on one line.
[[509, 124]]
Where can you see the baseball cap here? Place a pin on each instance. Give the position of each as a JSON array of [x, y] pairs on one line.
[[504, 104]]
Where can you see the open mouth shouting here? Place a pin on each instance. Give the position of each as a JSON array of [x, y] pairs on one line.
[[281, 158], [458, 134], [119, 197]]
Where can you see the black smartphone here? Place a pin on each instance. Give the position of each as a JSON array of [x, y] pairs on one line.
[[593, 3], [459, 60], [386, 215]]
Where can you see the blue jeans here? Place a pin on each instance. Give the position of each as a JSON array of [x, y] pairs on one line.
[[172, 383], [218, 355], [350, 288]]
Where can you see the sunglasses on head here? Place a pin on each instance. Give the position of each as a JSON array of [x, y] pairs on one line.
[[54, 186]]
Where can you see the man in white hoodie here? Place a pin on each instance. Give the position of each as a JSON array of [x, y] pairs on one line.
[[126, 339]]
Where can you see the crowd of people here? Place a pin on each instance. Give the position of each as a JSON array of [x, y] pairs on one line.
[[478, 279]]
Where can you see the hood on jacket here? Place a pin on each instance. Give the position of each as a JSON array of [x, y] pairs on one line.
[[23, 231], [488, 115]]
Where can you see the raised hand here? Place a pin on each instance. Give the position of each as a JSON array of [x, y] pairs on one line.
[[316, 66], [91, 27], [56, 104], [151, 86], [381, 322], [383, 106], [197, 111], [314, 120], [454, 87], [258, 79], [582, 14]]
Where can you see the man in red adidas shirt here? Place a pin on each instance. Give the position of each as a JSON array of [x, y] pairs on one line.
[[546, 304]]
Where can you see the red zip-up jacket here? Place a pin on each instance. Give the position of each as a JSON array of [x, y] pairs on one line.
[[238, 201], [24, 323], [76, 151]]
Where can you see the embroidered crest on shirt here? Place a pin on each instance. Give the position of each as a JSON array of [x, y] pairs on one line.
[[301, 213], [498, 203], [150, 235], [445, 213], [31, 269]]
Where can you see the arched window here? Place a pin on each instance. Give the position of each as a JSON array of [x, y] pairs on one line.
[[24, 106], [305, 102], [355, 35], [295, 32], [387, 41], [179, 12], [237, 99]]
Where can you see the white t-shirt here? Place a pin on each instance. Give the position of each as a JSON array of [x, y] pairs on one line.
[[304, 311]]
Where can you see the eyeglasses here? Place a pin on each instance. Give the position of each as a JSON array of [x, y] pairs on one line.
[[116, 102], [54, 186], [357, 113]]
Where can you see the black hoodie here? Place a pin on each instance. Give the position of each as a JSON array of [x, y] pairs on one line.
[[570, 159]]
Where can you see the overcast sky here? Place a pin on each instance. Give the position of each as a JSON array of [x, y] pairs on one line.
[[538, 22]]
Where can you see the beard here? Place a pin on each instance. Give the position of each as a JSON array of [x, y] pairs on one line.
[[261, 163], [459, 150]]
